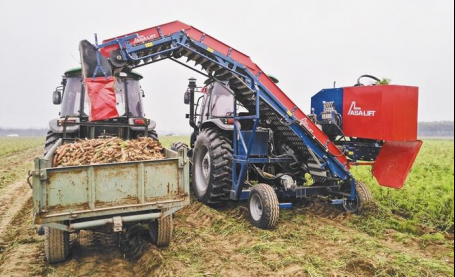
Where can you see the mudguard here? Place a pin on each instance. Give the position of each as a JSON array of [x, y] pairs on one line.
[[395, 161]]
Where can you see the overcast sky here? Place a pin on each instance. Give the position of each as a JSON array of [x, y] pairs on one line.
[[307, 44]]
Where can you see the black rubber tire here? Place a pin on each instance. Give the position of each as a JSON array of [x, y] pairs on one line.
[[263, 207], [179, 145], [154, 135], [51, 140], [151, 134], [161, 230], [212, 168], [364, 197], [56, 245]]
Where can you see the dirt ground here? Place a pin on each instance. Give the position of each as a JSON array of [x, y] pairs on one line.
[[313, 239]]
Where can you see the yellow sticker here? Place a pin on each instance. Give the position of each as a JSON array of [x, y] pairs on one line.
[[148, 45], [210, 50], [289, 113]]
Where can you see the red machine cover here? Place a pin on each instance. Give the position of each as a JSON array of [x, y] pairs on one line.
[[103, 100], [395, 161]]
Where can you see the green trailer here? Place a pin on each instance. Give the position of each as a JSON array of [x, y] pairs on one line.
[[108, 197]]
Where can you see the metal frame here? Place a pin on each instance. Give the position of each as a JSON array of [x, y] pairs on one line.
[[180, 40]]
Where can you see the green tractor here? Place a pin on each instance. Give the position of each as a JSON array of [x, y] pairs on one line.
[[74, 119]]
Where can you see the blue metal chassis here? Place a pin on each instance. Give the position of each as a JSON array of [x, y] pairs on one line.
[[181, 40]]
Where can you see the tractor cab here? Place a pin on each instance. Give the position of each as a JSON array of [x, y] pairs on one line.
[[74, 101], [75, 110]]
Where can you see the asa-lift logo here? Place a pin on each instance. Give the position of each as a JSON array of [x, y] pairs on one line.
[[359, 111], [142, 38]]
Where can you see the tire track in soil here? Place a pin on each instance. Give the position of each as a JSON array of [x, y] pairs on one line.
[[19, 247], [94, 254], [325, 214], [12, 200]]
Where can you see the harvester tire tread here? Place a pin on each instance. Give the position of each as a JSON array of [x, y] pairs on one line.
[[270, 207], [56, 245], [365, 193], [364, 197], [161, 231], [220, 149]]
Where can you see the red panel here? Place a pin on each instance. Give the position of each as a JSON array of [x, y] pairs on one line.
[[176, 26], [101, 92], [381, 112], [394, 162]]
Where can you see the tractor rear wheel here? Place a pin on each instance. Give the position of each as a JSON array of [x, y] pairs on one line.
[[179, 145], [160, 231], [51, 140], [154, 135], [151, 134], [212, 167], [263, 207], [56, 245], [363, 198]]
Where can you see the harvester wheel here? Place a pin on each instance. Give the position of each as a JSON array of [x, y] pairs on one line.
[[51, 139], [364, 197], [56, 245], [160, 231], [263, 207], [212, 168]]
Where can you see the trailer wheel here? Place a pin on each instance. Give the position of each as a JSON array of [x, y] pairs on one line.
[[212, 168], [56, 245], [51, 139], [363, 197], [160, 231], [263, 207]]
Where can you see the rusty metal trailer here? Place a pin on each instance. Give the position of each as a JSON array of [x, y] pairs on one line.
[[108, 197]]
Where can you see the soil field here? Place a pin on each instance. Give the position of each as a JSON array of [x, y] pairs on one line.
[[405, 233]]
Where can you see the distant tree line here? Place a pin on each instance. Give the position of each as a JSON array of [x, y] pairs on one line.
[[426, 129], [436, 129], [23, 132]]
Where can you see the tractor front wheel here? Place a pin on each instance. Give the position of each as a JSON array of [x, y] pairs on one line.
[[363, 198], [263, 207]]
